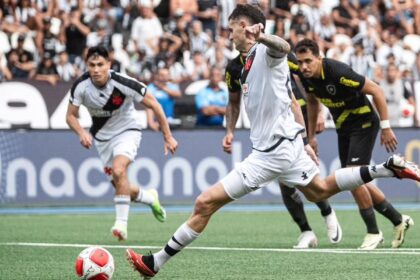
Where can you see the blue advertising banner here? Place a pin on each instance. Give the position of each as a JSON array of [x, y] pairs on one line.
[[51, 167]]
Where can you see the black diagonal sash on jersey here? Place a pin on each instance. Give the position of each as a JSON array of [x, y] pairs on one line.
[[248, 64], [114, 102]]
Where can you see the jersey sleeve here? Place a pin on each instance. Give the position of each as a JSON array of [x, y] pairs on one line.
[[272, 60], [233, 75], [76, 95], [343, 74], [131, 87]]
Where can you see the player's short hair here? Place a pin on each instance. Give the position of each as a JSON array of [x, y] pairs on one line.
[[306, 45], [252, 13], [97, 51]]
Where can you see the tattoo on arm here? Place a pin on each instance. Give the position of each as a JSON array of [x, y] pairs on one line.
[[277, 47]]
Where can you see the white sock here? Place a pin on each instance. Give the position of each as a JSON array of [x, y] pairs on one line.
[[348, 178], [122, 207], [352, 177], [145, 197], [380, 171], [182, 237]]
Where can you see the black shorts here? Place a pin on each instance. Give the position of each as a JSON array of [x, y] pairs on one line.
[[355, 147]]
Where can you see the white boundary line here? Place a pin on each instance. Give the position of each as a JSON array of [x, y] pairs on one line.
[[403, 251]]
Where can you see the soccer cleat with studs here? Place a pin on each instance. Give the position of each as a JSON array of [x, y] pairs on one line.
[[400, 230], [137, 261], [119, 231], [157, 209], [307, 239], [372, 241], [402, 168]]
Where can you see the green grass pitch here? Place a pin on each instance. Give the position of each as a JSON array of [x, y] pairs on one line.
[[227, 230]]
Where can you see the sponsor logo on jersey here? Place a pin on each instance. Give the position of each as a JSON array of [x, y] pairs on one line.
[[348, 82], [331, 104], [99, 113]]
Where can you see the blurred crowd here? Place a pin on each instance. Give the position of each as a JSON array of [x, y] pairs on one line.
[[168, 44]]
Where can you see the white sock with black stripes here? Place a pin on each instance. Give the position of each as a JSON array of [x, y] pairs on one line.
[[122, 207], [182, 237], [353, 177]]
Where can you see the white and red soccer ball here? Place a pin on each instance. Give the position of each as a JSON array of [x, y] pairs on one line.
[[95, 263]]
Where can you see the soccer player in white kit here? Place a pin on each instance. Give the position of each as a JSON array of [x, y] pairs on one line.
[[109, 97], [278, 149]]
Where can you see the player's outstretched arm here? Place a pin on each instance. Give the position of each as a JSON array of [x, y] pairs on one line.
[[73, 123], [277, 47], [388, 138], [170, 143]]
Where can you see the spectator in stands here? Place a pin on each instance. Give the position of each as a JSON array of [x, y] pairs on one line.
[[182, 32], [324, 32], [24, 13], [345, 18], [208, 13], [211, 101], [197, 67], [183, 8], [74, 34], [300, 28], [45, 40], [146, 30], [165, 92], [20, 61], [101, 35], [396, 93], [65, 69], [416, 68], [5, 74], [115, 64], [199, 39], [169, 45], [140, 67], [390, 45], [394, 23], [362, 63], [47, 70], [177, 71]]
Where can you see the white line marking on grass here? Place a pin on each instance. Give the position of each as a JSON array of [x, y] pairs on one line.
[[403, 251]]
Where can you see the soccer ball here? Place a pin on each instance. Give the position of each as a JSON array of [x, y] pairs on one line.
[[95, 263]]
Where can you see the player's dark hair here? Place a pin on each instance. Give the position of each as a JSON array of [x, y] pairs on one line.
[[306, 45], [252, 13], [97, 51]]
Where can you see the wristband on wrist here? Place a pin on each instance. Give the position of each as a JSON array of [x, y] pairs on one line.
[[385, 124], [305, 141]]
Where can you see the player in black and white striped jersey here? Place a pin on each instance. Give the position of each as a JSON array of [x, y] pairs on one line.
[[109, 97]]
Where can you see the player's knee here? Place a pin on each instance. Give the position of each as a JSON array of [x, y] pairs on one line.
[[118, 172], [203, 205], [317, 193]]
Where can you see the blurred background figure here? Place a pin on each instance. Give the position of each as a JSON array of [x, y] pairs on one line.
[[165, 93], [211, 101]]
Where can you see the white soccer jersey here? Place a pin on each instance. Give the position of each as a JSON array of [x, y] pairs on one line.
[[111, 107], [266, 94]]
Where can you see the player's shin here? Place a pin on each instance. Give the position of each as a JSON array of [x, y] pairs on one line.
[[182, 237]]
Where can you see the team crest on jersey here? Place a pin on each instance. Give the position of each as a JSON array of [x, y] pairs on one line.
[[117, 99], [331, 89], [245, 89]]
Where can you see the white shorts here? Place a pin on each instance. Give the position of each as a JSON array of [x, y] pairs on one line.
[[289, 162], [126, 144]]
